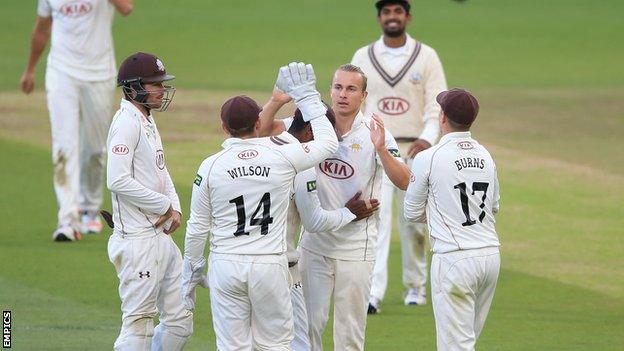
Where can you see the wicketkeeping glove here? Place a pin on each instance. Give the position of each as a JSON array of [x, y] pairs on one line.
[[192, 275], [299, 81]]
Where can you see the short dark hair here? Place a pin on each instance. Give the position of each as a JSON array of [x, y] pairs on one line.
[[382, 3], [298, 124], [458, 126], [348, 67], [241, 132]]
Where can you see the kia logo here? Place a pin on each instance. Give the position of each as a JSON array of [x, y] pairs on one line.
[[393, 105], [335, 168], [160, 159], [76, 8], [465, 145], [120, 149], [247, 154]]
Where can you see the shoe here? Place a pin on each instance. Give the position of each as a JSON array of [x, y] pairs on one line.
[[90, 223], [416, 297], [66, 233], [373, 308]]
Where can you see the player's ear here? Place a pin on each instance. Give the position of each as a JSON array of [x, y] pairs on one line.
[[225, 129]]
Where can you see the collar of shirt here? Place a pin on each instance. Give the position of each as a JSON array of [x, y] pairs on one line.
[[233, 141], [405, 50], [125, 104], [455, 135], [357, 122]]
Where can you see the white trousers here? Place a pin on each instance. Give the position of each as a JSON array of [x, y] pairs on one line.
[[413, 243], [462, 285], [250, 302], [150, 281], [349, 282], [301, 340], [80, 114]]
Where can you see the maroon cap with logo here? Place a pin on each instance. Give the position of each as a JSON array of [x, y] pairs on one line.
[[459, 105], [240, 112], [144, 68]]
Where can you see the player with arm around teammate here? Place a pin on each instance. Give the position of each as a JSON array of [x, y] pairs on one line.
[[80, 85], [146, 209], [305, 209], [455, 190], [240, 198], [339, 262]]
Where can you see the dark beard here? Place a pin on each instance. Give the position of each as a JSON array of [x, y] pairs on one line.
[[394, 33]]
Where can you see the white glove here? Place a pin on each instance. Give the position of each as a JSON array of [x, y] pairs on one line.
[[192, 275], [298, 80]]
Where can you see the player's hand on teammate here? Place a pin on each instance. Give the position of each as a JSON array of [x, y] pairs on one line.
[[378, 133], [417, 146], [171, 215], [27, 82], [362, 208]]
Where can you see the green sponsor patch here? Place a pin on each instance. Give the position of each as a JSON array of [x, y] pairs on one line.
[[198, 180], [311, 185], [394, 152]]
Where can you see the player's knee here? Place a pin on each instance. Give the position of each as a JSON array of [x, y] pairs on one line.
[[141, 327]]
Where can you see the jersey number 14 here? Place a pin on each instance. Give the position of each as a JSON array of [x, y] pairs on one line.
[[263, 222]]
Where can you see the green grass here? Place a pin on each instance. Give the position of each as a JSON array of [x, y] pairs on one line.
[[549, 80]]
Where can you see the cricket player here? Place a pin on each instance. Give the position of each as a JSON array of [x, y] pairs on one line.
[[305, 208], [241, 198], [404, 77], [340, 262], [80, 85], [455, 189], [146, 209]]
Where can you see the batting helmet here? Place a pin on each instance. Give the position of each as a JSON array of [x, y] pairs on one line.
[[143, 68]]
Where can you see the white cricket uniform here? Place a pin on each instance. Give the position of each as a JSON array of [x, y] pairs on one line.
[[147, 261], [402, 86], [455, 189], [305, 208], [341, 261], [241, 197], [80, 87]]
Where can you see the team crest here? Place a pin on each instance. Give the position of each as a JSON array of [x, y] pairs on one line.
[[415, 78], [160, 65]]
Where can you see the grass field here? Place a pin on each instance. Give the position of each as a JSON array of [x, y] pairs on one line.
[[551, 88]]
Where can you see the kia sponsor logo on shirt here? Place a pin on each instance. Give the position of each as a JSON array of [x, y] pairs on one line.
[[393, 106], [247, 154], [160, 159], [465, 145], [76, 8], [120, 149], [336, 168]]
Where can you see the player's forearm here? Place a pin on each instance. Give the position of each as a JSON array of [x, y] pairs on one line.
[[324, 145], [171, 193], [138, 195], [431, 131], [321, 220], [414, 210], [268, 124], [124, 7], [194, 242], [397, 171], [39, 40]]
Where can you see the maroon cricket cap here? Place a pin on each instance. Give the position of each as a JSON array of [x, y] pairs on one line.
[[459, 105], [404, 3], [240, 112], [142, 67]]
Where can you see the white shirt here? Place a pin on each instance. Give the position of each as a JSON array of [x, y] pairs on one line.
[[241, 194], [354, 167], [136, 173], [402, 86], [456, 182], [82, 42], [305, 209]]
